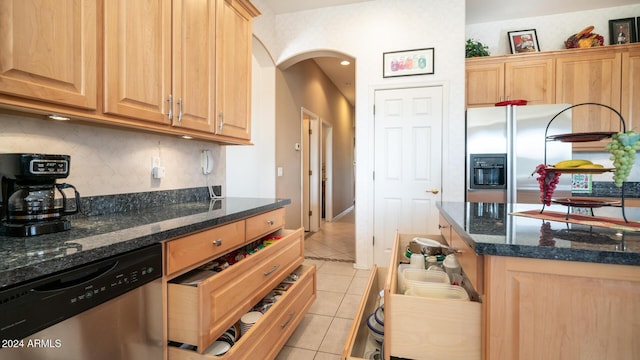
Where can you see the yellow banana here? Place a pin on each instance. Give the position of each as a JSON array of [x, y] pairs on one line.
[[572, 163], [590, 166]]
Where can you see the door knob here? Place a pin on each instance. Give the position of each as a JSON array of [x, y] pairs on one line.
[[434, 190]]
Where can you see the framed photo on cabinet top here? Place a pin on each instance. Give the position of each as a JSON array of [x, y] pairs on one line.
[[408, 62], [523, 41], [622, 31]]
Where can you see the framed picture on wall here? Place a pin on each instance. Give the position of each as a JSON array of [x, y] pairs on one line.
[[622, 31], [408, 62], [523, 41]]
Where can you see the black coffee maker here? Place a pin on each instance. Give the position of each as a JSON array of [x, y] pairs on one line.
[[29, 204]]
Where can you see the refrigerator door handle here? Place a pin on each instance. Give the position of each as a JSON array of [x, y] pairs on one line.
[[511, 154]]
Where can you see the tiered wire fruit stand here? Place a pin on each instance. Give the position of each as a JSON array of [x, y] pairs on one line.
[[582, 137]]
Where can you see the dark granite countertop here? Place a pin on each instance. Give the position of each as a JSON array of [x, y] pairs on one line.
[[489, 229], [96, 237]]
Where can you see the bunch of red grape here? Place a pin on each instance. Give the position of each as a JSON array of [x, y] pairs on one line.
[[548, 180]]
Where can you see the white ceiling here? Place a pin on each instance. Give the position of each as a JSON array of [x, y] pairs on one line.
[[287, 6], [477, 11]]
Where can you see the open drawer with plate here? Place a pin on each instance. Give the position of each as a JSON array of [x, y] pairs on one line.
[[201, 311], [361, 344], [267, 336], [417, 327]]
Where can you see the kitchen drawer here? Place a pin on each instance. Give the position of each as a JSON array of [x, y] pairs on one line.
[[471, 263], [359, 343], [425, 328], [198, 315], [264, 223], [415, 327], [266, 338], [193, 249]]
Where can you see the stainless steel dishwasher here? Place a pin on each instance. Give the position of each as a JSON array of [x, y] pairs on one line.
[[109, 309]]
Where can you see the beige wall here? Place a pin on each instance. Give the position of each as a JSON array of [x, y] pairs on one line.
[[377, 27], [304, 85], [552, 30], [106, 161]]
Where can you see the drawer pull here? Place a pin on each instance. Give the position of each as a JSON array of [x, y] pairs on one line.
[[217, 242], [284, 324], [274, 268], [270, 222]]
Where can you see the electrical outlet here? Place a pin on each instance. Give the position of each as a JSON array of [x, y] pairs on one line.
[[158, 172]]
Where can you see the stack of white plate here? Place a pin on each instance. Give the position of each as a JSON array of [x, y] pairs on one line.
[[375, 323], [218, 347], [247, 320]]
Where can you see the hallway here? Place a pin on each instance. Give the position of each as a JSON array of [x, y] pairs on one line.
[[335, 241], [323, 332]]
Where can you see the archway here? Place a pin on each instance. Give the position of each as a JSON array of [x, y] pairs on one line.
[[303, 84]]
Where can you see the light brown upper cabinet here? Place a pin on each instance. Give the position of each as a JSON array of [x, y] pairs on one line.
[[48, 51], [485, 82], [234, 68], [180, 67], [630, 101], [590, 76], [494, 79], [607, 75], [159, 61]]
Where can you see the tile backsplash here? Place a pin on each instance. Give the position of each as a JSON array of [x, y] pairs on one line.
[[107, 161]]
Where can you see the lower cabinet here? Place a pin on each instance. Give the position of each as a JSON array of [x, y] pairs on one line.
[[415, 327], [202, 304], [565, 310]]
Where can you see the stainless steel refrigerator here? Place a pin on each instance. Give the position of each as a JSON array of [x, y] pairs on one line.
[[504, 146]]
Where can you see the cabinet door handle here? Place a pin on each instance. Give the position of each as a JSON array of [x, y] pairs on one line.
[[180, 110], [274, 268], [217, 242], [170, 100], [291, 315], [221, 121], [270, 222]]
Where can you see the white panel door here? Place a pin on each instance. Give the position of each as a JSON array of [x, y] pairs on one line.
[[408, 164]]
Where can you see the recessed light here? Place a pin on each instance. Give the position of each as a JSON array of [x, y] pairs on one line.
[[58, 117], [345, 62]]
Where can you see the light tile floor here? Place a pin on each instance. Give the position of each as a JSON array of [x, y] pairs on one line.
[[322, 333], [335, 240]]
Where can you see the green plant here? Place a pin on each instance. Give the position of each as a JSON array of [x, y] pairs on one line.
[[475, 48]]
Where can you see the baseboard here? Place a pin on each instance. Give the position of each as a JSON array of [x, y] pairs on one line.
[[345, 212]]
